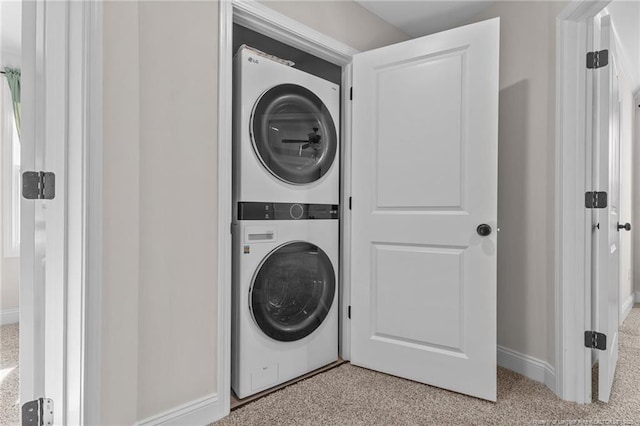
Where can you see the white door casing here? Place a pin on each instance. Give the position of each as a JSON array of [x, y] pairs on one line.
[[606, 236], [424, 177], [60, 238], [43, 222]]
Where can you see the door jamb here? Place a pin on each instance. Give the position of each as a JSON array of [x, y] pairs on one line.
[[572, 220], [271, 23], [76, 257]]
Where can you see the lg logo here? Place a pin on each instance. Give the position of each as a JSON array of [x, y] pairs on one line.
[[255, 61]]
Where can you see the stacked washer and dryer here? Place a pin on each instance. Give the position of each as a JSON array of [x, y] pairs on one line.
[[285, 228]]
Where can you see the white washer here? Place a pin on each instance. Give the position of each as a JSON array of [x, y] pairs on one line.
[[286, 133], [285, 298]]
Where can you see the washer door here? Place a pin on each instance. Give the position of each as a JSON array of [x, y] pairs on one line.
[[293, 291], [293, 134]]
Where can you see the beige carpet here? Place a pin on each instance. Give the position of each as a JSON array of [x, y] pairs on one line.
[[9, 407], [350, 395]]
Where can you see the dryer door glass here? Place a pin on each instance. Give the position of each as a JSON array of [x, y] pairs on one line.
[[293, 291], [293, 134]]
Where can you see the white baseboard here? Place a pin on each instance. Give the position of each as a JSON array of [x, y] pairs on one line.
[[528, 366], [626, 307], [9, 316], [199, 412]]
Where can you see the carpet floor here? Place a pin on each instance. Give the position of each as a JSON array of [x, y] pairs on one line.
[[350, 395], [9, 405]]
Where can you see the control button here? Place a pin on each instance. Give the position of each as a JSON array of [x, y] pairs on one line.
[[296, 211]]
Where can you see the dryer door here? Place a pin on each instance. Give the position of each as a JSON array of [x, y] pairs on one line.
[[293, 134], [292, 291]]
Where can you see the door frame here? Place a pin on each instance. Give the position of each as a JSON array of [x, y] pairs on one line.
[[573, 152], [75, 260], [260, 18]]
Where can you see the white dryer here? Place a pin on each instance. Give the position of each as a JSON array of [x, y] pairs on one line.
[[286, 127], [285, 299]]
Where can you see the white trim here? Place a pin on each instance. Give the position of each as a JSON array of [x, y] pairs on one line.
[[345, 217], [31, 305], [9, 316], [626, 307], [83, 211], [225, 71], [572, 223], [528, 366], [201, 411], [265, 20], [92, 238], [62, 99]]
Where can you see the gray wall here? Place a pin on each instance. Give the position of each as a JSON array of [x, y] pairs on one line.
[[159, 303]]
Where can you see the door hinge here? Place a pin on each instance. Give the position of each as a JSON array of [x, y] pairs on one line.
[[595, 200], [595, 340], [597, 59], [349, 203], [38, 185], [349, 312], [38, 412], [351, 93]]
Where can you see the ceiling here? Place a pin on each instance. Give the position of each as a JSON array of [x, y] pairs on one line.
[[418, 18], [421, 17]]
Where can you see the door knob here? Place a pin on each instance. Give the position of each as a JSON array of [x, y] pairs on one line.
[[483, 230], [626, 226]]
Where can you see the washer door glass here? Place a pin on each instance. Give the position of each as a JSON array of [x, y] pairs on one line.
[[293, 291], [293, 134]]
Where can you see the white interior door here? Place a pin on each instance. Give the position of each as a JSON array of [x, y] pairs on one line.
[[425, 139], [606, 237]]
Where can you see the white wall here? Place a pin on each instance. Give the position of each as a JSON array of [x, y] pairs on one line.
[[627, 109], [121, 216], [10, 36], [159, 249], [526, 167], [178, 110]]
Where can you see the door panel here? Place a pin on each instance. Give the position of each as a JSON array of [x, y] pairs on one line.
[[404, 309], [425, 133], [606, 237], [421, 120]]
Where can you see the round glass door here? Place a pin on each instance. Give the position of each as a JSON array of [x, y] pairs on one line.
[[293, 291], [293, 134]]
